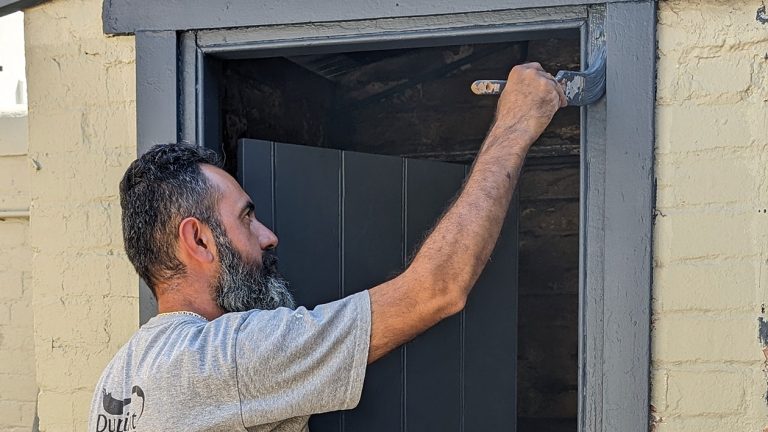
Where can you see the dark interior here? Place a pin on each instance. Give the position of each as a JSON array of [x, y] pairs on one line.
[[416, 102]]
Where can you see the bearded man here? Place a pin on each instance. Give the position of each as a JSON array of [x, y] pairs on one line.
[[229, 351]]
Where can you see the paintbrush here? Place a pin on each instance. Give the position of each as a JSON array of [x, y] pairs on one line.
[[581, 88]]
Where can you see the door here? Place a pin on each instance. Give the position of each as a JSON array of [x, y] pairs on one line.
[[348, 221]]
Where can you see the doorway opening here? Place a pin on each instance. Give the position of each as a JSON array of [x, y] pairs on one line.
[[416, 103]]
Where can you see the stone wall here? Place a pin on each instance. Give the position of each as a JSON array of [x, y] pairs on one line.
[[711, 235], [82, 136]]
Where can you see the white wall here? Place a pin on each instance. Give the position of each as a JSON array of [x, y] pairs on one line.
[[13, 94]]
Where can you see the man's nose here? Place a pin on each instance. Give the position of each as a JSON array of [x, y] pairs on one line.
[[267, 239]]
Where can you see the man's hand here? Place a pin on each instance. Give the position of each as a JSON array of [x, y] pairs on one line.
[[442, 273], [528, 102]]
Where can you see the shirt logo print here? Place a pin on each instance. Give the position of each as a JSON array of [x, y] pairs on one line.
[[120, 417]]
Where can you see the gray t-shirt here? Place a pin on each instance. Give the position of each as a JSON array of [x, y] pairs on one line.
[[249, 371]]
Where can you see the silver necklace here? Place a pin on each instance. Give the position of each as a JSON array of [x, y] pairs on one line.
[[183, 313]]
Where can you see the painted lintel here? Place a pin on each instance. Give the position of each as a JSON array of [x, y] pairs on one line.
[[129, 16], [8, 7]]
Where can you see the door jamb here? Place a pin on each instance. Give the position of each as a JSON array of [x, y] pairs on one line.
[[617, 168]]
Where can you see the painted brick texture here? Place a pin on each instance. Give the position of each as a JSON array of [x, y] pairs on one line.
[[18, 389], [82, 137], [709, 254], [711, 226]]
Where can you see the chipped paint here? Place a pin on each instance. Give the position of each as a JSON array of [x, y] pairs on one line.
[[654, 419], [762, 16], [573, 87], [763, 332], [762, 335]]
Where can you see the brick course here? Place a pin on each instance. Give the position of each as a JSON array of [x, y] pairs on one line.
[[18, 389], [82, 136], [710, 234], [709, 254]]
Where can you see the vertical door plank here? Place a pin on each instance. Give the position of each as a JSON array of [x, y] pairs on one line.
[[307, 222], [490, 338], [433, 360], [254, 170], [372, 254]]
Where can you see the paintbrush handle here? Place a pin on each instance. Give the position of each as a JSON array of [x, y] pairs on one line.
[[495, 87], [488, 87]]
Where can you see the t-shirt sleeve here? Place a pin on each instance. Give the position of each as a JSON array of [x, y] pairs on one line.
[[299, 362]]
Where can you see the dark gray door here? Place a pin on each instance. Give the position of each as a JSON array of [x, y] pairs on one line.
[[347, 221]]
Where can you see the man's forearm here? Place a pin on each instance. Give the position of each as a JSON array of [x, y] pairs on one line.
[[450, 260], [442, 273], [453, 256]]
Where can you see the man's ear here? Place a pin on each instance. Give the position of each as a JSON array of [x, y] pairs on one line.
[[196, 240]]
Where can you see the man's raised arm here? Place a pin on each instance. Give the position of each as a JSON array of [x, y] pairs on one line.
[[436, 284]]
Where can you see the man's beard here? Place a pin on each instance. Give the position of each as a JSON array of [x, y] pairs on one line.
[[241, 286]]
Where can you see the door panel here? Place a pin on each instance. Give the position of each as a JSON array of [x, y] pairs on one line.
[[373, 253], [490, 339], [256, 178], [307, 220], [347, 222], [433, 373], [308, 226]]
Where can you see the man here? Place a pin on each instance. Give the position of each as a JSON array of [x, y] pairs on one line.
[[227, 350]]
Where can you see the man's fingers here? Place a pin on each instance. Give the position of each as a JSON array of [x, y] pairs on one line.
[[533, 65], [563, 101], [561, 93], [532, 72]]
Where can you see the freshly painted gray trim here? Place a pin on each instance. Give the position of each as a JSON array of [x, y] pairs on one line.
[[399, 33], [628, 222], [511, 32], [156, 111], [188, 56], [156, 88], [616, 213], [591, 251], [129, 16], [10, 6], [209, 125]]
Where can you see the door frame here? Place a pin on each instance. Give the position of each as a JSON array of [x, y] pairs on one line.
[[176, 74]]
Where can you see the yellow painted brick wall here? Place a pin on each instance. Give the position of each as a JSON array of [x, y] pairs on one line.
[[711, 234], [18, 389], [710, 237], [81, 89]]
